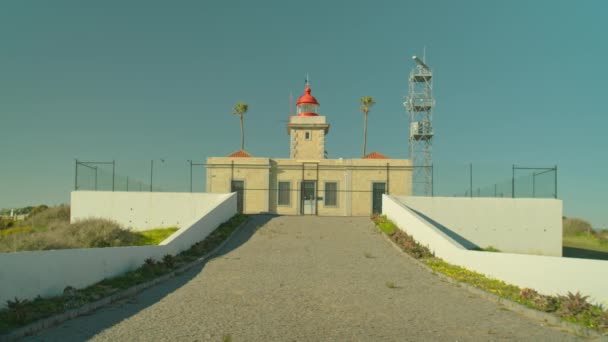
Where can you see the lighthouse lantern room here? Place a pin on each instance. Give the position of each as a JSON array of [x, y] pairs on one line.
[[307, 128]]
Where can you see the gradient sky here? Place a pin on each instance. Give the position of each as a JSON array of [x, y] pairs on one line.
[[516, 82]]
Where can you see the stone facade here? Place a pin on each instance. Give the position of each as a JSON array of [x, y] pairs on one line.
[[353, 178], [307, 135]]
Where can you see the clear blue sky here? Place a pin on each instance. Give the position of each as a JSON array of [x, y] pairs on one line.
[[516, 82]]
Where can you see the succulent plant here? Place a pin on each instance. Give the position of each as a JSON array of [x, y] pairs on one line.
[[573, 304], [546, 303], [528, 293]]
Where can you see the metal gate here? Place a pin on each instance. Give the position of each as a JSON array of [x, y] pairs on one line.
[[308, 198], [377, 190], [238, 187]]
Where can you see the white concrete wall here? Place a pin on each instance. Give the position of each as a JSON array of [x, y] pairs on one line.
[[141, 210], [526, 226], [546, 274], [47, 273]]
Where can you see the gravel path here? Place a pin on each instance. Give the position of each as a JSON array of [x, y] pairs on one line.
[[306, 279]]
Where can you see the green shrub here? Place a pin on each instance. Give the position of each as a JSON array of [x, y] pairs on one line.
[[169, 260], [37, 210], [602, 235], [573, 226], [87, 233], [6, 223], [17, 310], [54, 231], [385, 225], [401, 238], [43, 216]]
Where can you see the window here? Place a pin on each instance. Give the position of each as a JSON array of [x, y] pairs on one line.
[[331, 194], [307, 135], [284, 193]]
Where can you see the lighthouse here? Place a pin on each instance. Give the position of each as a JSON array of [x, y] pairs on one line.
[[307, 129], [309, 183]]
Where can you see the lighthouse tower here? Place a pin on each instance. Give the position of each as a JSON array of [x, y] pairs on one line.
[[307, 128]]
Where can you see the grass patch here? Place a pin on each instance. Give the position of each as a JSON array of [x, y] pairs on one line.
[[581, 241], [390, 285], [585, 241], [21, 312], [572, 307], [154, 236], [384, 224], [14, 230]]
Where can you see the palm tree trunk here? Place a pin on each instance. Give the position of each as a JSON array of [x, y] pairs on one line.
[[242, 134], [365, 134]]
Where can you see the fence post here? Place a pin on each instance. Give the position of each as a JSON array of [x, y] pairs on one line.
[[471, 179], [533, 184], [151, 171], [113, 173], [432, 180], [190, 175], [76, 175], [556, 181], [513, 183]]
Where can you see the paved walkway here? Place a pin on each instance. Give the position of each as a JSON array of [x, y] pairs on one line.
[[306, 279]]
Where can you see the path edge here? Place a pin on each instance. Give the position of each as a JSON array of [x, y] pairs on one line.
[[55, 320], [544, 317]]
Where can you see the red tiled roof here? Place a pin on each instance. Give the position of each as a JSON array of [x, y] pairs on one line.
[[240, 154], [375, 155]]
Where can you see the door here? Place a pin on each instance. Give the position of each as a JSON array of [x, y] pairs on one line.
[[238, 187], [377, 190], [308, 198]]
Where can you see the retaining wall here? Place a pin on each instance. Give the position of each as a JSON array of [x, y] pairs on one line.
[[546, 274], [140, 210], [526, 225], [26, 275]]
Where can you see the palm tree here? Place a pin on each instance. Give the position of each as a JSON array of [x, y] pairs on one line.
[[366, 103], [240, 109]]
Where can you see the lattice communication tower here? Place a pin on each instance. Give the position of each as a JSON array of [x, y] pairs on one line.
[[419, 104]]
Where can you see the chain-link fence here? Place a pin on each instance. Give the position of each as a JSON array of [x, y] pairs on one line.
[[447, 179], [158, 175], [494, 180]]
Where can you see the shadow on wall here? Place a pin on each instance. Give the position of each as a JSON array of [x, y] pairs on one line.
[[111, 315], [572, 252], [453, 235]]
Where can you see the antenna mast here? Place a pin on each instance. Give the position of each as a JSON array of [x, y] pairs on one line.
[[419, 104], [290, 103]]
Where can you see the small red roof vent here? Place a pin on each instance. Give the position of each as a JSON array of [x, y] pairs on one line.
[[375, 155], [240, 154]]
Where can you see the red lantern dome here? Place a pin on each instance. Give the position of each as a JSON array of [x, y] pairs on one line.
[[307, 105]]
